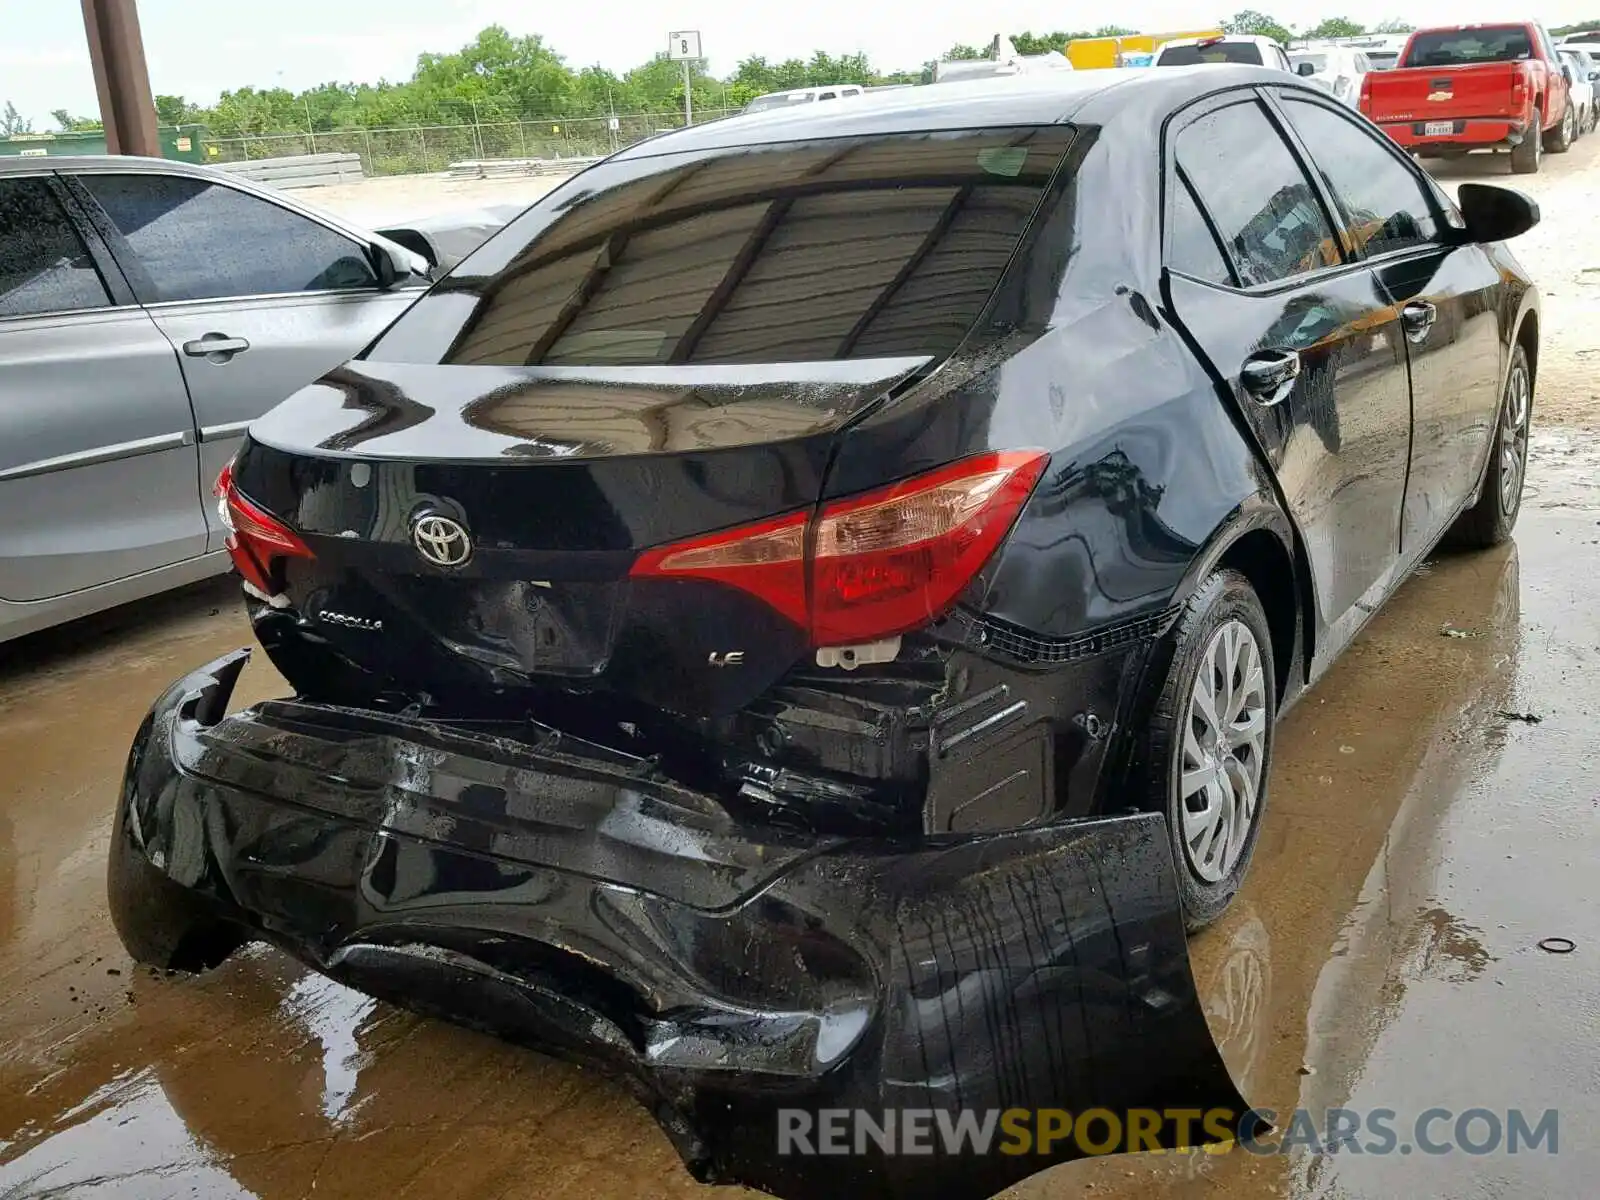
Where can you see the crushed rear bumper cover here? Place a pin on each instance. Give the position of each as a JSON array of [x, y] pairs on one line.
[[567, 897]]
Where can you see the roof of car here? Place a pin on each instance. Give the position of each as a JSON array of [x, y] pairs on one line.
[[1044, 99], [1253, 38], [12, 165]]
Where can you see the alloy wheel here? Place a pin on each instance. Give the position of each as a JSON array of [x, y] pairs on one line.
[[1223, 752], [1514, 440]]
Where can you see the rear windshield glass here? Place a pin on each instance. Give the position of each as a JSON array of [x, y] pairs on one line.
[[1493, 43], [1216, 52], [877, 247], [1319, 62], [1382, 60]]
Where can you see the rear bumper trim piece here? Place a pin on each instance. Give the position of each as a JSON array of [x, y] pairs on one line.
[[566, 898]]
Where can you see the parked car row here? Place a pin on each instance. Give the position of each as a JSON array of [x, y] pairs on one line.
[[798, 618], [149, 311], [1582, 71], [1338, 69]]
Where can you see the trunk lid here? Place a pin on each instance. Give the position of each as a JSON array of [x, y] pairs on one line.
[[1444, 92], [558, 477]]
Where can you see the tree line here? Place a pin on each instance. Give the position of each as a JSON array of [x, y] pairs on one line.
[[499, 76]]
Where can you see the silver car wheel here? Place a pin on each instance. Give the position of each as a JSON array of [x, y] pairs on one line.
[[1514, 440], [1224, 740]]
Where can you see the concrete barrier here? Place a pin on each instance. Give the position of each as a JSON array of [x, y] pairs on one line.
[[496, 168], [303, 170]]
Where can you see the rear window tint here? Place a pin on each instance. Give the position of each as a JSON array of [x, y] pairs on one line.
[[839, 249], [1216, 52], [1445, 48]]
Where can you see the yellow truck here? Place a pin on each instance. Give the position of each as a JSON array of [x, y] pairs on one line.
[[1088, 54]]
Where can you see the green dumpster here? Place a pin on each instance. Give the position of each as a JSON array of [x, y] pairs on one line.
[[183, 142]]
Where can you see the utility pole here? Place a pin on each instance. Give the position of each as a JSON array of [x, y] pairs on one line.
[[121, 78], [684, 46]]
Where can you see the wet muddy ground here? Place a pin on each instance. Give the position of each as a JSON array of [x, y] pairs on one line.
[[1434, 814]]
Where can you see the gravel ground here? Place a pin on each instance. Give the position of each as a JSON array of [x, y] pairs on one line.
[[398, 198], [1562, 253]]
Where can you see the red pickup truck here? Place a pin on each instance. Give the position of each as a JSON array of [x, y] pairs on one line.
[[1475, 87]]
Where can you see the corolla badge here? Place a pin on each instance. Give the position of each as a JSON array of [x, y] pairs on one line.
[[366, 624], [440, 540]]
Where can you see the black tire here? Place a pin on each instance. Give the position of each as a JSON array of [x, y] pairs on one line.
[[1491, 520], [1559, 140], [1223, 600], [1526, 157]]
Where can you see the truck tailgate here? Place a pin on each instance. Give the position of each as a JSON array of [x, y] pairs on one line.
[[1442, 93]]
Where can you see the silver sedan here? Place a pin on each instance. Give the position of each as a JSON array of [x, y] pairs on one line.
[[149, 311]]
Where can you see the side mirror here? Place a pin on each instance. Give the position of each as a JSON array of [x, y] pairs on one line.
[[1594, 76], [1305, 68], [417, 242], [1495, 214], [395, 264]]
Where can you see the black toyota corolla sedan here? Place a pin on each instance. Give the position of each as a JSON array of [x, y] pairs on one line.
[[798, 618]]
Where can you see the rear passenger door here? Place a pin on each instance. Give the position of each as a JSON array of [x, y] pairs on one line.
[[1304, 340], [257, 299], [97, 459], [1447, 294]]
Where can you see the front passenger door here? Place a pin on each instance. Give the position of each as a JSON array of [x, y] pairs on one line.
[[97, 457], [1448, 297], [1306, 343], [257, 300]]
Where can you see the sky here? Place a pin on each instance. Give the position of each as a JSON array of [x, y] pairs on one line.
[[198, 50]]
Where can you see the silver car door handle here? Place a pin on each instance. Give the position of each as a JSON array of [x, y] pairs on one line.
[[1269, 375], [216, 343], [1418, 318]]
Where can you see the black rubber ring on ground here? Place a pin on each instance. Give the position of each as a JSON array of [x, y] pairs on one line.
[[1558, 945]]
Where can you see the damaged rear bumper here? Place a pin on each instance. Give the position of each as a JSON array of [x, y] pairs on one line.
[[746, 984]]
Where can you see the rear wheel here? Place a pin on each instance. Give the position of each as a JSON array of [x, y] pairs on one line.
[[1560, 139], [1526, 157], [1491, 520], [1208, 746]]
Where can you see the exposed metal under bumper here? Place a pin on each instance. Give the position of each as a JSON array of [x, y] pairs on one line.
[[723, 973]]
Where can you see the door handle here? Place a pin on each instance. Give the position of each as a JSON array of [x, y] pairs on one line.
[[1418, 317], [218, 347], [1269, 375]]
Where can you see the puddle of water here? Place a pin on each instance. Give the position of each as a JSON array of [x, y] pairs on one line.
[[123, 1142], [333, 1014]]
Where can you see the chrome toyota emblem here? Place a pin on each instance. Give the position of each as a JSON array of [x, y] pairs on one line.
[[442, 541]]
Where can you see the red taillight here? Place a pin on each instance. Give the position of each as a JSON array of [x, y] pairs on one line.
[[870, 566], [1364, 101], [256, 538]]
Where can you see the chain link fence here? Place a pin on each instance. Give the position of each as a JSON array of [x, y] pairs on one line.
[[418, 149]]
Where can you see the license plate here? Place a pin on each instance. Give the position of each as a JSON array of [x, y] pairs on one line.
[[1438, 128]]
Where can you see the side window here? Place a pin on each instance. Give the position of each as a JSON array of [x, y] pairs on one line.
[[201, 241], [1262, 203], [1385, 207], [44, 266], [1193, 248]]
